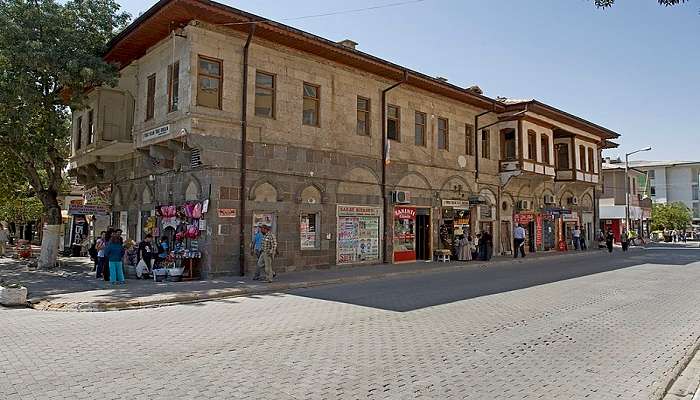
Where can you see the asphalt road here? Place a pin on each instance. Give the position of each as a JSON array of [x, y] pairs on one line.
[[600, 327]]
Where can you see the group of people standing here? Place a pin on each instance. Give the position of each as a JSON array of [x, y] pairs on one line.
[[109, 251], [479, 248], [264, 247]]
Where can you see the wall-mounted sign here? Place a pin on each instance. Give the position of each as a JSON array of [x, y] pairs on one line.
[[226, 212], [404, 234], [485, 212], [84, 209], [95, 195], [156, 133], [455, 203]]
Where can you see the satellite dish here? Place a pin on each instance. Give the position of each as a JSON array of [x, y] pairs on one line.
[[462, 161]]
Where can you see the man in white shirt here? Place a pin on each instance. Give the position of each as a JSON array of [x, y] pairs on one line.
[[576, 233], [4, 238], [518, 241]]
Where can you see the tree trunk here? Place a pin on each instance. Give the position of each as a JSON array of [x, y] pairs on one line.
[[52, 230]]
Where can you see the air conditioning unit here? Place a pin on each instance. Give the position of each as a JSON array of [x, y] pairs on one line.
[[548, 199], [401, 197], [524, 204], [573, 200]]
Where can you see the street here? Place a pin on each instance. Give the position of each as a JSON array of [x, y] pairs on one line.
[[600, 326]]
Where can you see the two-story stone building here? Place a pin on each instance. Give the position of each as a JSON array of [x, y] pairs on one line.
[[351, 158]]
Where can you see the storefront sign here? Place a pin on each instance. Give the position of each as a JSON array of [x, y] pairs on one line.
[[538, 231], [156, 133], [485, 212], [456, 203], [96, 195], [87, 209], [569, 217], [523, 218], [404, 234], [226, 212], [358, 234]]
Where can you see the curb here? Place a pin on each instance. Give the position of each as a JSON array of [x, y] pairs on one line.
[[217, 294], [679, 382]]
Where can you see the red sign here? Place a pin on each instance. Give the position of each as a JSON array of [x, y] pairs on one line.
[[538, 230], [404, 234], [523, 218]]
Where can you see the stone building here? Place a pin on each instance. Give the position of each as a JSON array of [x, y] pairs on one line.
[[351, 158]]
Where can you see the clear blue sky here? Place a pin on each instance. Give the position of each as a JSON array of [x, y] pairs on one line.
[[634, 68]]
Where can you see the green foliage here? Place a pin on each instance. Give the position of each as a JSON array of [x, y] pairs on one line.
[[609, 3], [670, 216], [50, 52]]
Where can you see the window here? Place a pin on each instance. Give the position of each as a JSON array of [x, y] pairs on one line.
[[696, 192], [363, 116], [309, 231], [544, 149], [652, 190], [582, 158], [696, 210], [312, 96], [469, 139], [591, 161], [421, 122], [209, 80], [91, 127], [79, 133], [652, 174], [531, 145], [508, 150], [443, 139], [393, 122], [264, 95], [150, 96], [562, 156], [485, 143], [173, 86]]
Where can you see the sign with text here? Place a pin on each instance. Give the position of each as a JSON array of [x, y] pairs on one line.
[[455, 203], [156, 133], [227, 212], [89, 209]]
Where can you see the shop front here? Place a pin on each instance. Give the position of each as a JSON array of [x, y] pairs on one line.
[[358, 236], [455, 221], [569, 222], [411, 234], [180, 227], [528, 220]]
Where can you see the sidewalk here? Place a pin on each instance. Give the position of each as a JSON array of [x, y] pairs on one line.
[[73, 287]]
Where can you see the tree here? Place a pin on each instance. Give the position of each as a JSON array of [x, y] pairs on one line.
[[50, 52], [670, 216], [609, 3]]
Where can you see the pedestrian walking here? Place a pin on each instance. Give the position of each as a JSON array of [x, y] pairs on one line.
[[114, 253], [518, 241], [625, 240], [100, 246], [256, 250], [582, 240], [4, 238], [609, 238], [269, 251], [576, 234]]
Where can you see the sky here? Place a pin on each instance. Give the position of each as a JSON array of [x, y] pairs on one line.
[[633, 68]]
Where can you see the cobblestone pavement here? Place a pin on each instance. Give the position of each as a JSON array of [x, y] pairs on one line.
[[619, 334]]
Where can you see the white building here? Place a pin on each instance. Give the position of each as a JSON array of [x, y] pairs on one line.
[[673, 181]]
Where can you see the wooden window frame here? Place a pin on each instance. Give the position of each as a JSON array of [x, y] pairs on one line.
[[174, 82], [424, 126], [274, 94], [469, 139], [591, 160], [544, 149], [582, 158], [531, 145], [317, 101], [557, 163], [79, 134], [367, 115], [150, 97], [398, 122], [220, 77], [485, 150], [445, 131], [91, 127]]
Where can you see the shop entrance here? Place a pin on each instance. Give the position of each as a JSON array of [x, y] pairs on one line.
[[548, 233], [423, 234]]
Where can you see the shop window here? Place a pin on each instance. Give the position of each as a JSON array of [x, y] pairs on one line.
[[544, 148], [393, 123], [311, 106], [150, 96], [531, 145], [421, 128], [485, 143], [363, 116], [91, 127], [173, 86], [209, 82], [469, 139], [443, 139], [79, 133], [264, 94], [309, 231], [508, 151]]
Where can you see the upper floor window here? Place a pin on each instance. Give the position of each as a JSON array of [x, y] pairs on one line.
[[469, 139], [264, 94], [652, 174], [91, 127], [582, 158], [79, 133], [508, 147], [591, 161], [532, 145], [150, 96], [363, 116], [562, 156], [485, 143], [421, 128], [393, 122], [544, 149], [173, 86], [312, 98], [209, 82], [443, 139]]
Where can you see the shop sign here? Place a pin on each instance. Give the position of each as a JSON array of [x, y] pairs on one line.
[[358, 210], [456, 203], [569, 217], [485, 212], [523, 218], [538, 231], [87, 209], [226, 212], [156, 133], [95, 195]]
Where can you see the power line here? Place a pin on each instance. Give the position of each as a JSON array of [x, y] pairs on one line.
[[355, 10]]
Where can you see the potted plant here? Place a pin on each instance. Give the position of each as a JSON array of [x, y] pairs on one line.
[[12, 294]]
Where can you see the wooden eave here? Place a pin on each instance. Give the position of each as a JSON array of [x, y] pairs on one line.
[[156, 24]]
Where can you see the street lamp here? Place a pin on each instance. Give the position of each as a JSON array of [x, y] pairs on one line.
[[627, 190]]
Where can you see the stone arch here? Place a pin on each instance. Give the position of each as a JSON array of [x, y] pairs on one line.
[[147, 195], [459, 180], [117, 197], [310, 194], [192, 189], [525, 192], [489, 195], [509, 201], [414, 180], [360, 180], [264, 191], [586, 202], [565, 193]]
